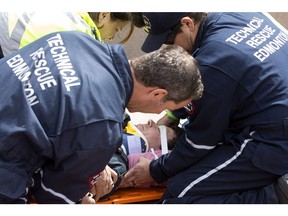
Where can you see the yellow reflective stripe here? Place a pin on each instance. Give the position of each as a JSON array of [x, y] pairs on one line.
[[21, 28], [42, 24], [85, 16]]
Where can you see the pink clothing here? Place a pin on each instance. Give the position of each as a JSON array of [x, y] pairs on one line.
[[134, 158]]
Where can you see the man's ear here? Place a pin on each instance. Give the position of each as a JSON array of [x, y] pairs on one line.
[[158, 94], [187, 21]]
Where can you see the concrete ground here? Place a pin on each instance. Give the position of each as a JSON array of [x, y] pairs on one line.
[[133, 49]]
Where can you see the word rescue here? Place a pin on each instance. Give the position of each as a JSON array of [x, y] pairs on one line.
[[42, 70], [259, 40], [62, 61]]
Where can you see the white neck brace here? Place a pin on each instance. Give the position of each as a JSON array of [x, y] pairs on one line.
[[163, 135]]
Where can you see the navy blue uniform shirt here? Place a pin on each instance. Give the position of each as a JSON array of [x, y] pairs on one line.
[[61, 106], [243, 62]]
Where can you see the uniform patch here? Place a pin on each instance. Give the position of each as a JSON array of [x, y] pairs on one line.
[[190, 108], [93, 179]]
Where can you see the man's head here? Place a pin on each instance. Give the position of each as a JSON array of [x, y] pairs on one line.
[[163, 27], [152, 134], [167, 78]]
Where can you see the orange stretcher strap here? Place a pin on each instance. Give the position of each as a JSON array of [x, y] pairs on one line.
[[134, 195]]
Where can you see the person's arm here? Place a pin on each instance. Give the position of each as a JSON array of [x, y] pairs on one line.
[[204, 130], [201, 137], [119, 164], [208, 121], [105, 183], [80, 155]]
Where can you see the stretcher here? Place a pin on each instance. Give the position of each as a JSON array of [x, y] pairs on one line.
[[131, 195], [134, 195]]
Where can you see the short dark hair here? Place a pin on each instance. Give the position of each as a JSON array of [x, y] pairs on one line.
[[137, 19], [178, 132], [114, 16]]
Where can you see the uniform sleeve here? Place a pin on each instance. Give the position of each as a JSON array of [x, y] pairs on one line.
[[180, 113], [80, 154], [203, 132]]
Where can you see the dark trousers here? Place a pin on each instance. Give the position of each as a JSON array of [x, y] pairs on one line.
[[224, 176]]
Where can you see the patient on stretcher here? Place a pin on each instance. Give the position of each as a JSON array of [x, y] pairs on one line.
[[142, 140]]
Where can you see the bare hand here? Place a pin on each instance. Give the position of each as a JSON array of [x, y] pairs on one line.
[[105, 183], [103, 186], [138, 175], [88, 199]]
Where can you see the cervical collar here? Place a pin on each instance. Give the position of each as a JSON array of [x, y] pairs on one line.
[[133, 140]]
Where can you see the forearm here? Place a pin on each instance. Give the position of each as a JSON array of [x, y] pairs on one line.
[[182, 156]]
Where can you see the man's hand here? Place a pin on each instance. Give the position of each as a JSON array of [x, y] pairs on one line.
[[105, 183], [88, 199], [103, 186], [138, 175]]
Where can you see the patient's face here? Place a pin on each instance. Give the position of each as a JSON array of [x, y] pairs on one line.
[[152, 134]]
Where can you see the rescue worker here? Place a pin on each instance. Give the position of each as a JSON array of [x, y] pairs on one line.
[[20, 29], [235, 145], [62, 115]]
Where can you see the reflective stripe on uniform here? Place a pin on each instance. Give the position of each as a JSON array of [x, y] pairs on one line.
[[85, 16], [216, 169], [11, 30], [19, 29]]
